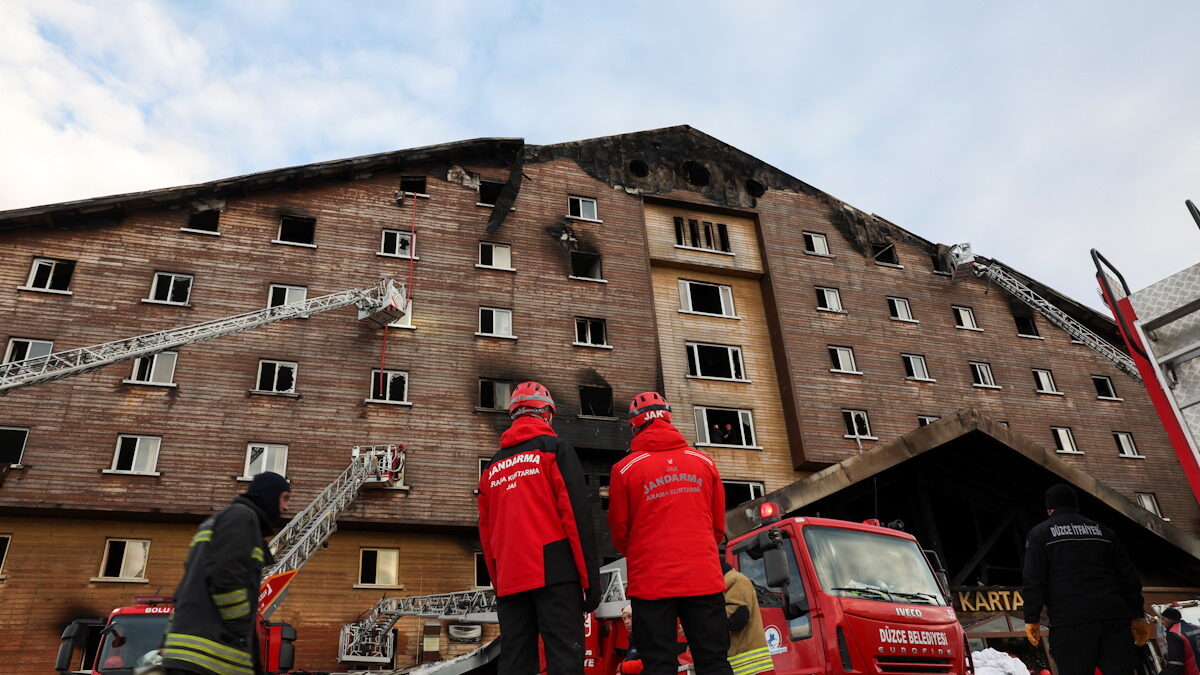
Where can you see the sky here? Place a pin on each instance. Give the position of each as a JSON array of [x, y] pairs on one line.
[[1034, 130]]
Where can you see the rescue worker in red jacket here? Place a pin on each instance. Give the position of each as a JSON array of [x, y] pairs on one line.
[[667, 515], [536, 531], [1183, 644]]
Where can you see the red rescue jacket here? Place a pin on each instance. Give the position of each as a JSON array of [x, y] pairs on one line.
[[1182, 641], [534, 522], [667, 514]]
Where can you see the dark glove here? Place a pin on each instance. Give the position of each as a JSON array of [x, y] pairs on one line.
[[633, 667], [591, 599], [739, 619]]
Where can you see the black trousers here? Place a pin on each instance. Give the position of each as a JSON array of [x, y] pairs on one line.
[[703, 619], [556, 613], [1081, 648]]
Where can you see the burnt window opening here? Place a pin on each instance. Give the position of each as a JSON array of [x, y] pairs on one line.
[[12, 444], [489, 192], [482, 578], [857, 425], [941, 264], [741, 491], [51, 275], [1026, 325], [586, 265], [639, 168], [204, 221], [413, 185], [595, 401], [755, 188], [1104, 387], [885, 252], [695, 173], [297, 230], [702, 234], [590, 332], [715, 299], [494, 394], [715, 361]]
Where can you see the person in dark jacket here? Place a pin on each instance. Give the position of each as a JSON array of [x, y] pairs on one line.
[[212, 631], [1183, 644], [535, 529], [1078, 570], [667, 515]]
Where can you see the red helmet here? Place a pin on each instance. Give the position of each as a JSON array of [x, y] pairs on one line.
[[647, 407], [532, 397]]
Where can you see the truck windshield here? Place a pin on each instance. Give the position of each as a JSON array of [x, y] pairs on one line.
[[131, 641], [856, 564]]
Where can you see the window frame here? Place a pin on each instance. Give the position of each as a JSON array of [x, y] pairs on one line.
[[961, 311], [155, 453], [24, 445], [359, 577], [611, 402], [288, 242], [1148, 499], [495, 245], [287, 292], [572, 200], [724, 292], [696, 232], [214, 232], [390, 374], [53, 263], [480, 561], [501, 405], [894, 304], [1041, 376], [848, 416], [1133, 453], [411, 193], [173, 278], [1111, 389], [589, 321], [8, 351], [926, 420], [479, 325], [757, 489], [823, 294], [5, 546], [745, 416], [979, 368], [806, 236], [880, 248], [1035, 335], [104, 560], [598, 265], [399, 235], [735, 365], [271, 451], [1064, 436], [906, 358], [294, 365], [836, 360], [499, 187]]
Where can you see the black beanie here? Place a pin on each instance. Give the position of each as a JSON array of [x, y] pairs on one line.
[[1061, 496], [265, 489], [1172, 614]]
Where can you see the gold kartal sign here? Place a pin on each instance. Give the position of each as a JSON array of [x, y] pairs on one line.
[[988, 599]]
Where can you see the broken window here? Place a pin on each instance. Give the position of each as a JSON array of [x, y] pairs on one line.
[[397, 243], [22, 349], [1104, 388], [595, 401], [482, 578], [857, 424], [829, 299], [914, 367], [702, 298], [50, 275], [1064, 440], [1026, 326], [1148, 501], [4, 540], [494, 394], [703, 235], [585, 265], [262, 457], [725, 426], [389, 386], [815, 243], [715, 361], [154, 369], [1125, 445], [581, 207], [495, 255], [277, 377], [413, 185], [964, 317], [170, 288], [280, 295], [590, 331], [297, 230], [204, 221], [885, 253], [981, 375], [495, 322], [489, 192], [941, 264], [926, 420], [379, 567], [741, 491], [124, 559], [842, 359], [136, 454], [900, 310], [1043, 380], [12, 444]]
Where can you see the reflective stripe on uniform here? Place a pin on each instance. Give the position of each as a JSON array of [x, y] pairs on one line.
[[235, 612], [214, 649], [751, 662], [230, 598], [202, 535], [257, 553], [204, 661]]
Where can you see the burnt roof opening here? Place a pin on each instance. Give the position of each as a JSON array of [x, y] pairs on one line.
[[639, 168], [755, 188], [695, 173]]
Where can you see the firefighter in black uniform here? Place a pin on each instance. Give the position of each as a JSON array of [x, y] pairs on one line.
[[1079, 571], [1183, 644]]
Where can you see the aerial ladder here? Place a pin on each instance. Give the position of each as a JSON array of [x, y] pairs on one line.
[[381, 304]]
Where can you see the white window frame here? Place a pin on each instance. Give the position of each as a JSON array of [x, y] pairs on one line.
[[495, 246], [276, 453], [483, 462], [824, 293], [964, 318], [982, 376], [53, 263], [899, 309], [919, 367], [1064, 441], [757, 488], [734, 353], [745, 417], [866, 422], [24, 444], [724, 291], [159, 373], [143, 446], [502, 312], [1149, 501], [125, 562], [841, 357], [390, 376], [30, 343], [1044, 382], [587, 342], [501, 402], [926, 420], [287, 242], [480, 201], [1111, 388], [577, 203], [291, 294], [1126, 446], [599, 267], [294, 365], [1032, 336], [478, 560], [398, 251], [359, 583], [816, 244], [6, 539], [170, 278]]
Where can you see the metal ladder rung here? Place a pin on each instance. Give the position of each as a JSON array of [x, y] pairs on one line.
[[1180, 355], [1171, 316]]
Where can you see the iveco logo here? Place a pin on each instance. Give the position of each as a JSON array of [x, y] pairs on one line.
[[908, 611]]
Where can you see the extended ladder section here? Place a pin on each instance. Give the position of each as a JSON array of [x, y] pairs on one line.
[[312, 527], [370, 640], [381, 304], [963, 259]]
